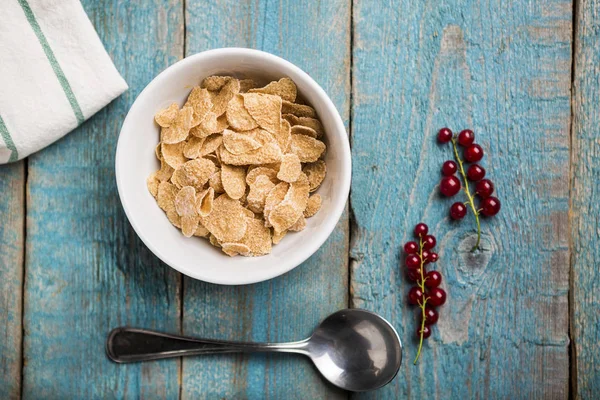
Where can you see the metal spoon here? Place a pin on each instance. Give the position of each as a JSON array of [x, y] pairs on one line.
[[354, 349]]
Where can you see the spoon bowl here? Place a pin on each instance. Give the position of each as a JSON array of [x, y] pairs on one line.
[[354, 349]]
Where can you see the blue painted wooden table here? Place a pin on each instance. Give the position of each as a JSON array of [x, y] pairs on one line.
[[522, 316]]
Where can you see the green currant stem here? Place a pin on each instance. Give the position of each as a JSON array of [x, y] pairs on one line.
[[421, 305], [471, 200]]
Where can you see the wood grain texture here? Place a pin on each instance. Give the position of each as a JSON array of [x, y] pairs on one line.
[[316, 37], [585, 223], [12, 242], [86, 270], [501, 68]]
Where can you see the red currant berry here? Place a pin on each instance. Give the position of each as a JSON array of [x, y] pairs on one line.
[[444, 135], [437, 297], [433, 279], [413, 261], [431, 316], [473, 153], [414, 274], [449, 186], [490, 206], [421, 229], [484, 188], [415, 295], [449, 168], [433, 257], [411, 247], [458, 210], [466, 138], [426, 332], [429, 242], [425, 256], [475, 172]]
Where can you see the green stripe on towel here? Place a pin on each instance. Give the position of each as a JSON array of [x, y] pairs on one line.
[[14, 155], [53, 61]]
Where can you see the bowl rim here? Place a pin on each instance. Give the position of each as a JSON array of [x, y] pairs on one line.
[[344, 179]]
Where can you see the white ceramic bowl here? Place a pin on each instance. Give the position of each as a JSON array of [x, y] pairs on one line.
[[135, 160]]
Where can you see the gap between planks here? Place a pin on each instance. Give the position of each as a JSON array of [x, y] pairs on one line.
[[25, 180], [351, 219], [571, 300]]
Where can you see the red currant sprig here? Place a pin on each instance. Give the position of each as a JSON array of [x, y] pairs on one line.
[[427, 293], [450, 184]]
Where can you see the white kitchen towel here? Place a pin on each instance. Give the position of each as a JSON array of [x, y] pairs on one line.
[[54, 74]]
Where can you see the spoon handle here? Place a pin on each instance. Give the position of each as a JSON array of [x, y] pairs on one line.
[[131, 345]]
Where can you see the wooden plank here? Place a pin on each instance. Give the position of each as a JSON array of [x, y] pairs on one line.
[[86, 270], [585, 330], [316, 37], [12, 242], [501, 68]]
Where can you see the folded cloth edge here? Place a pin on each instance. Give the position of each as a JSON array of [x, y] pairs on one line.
[[71, 53]]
